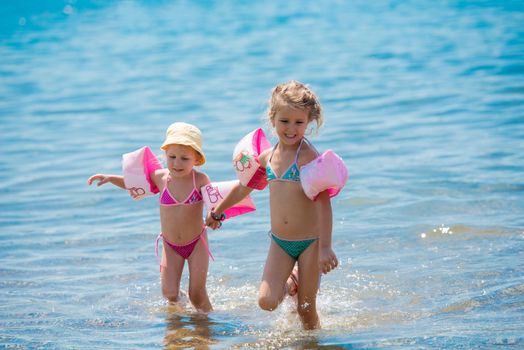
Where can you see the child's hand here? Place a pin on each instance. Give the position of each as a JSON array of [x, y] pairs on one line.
[[210, 222], [327, 260], [101, 178]]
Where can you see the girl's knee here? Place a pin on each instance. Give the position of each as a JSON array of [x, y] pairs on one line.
[[267, 303], [170, 294], [197, 295]]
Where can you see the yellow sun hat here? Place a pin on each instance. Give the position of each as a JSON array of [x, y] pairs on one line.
[[185, 134]]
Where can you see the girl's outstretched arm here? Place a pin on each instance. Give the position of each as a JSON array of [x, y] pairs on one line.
[[117, 180], [327, 260], [238, 192]]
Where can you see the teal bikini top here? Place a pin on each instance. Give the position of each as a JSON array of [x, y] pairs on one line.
[[291, 174]]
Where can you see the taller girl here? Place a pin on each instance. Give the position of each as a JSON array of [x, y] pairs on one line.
[[300, 228]]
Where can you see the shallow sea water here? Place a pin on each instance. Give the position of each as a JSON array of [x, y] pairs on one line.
[[424, 101]]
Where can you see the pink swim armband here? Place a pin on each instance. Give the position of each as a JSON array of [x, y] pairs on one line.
[[213, 193], [326, 172], [245, 159], [137, 167]]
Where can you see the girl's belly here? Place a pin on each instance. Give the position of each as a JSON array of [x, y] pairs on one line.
[[181, 225], [293, 215]]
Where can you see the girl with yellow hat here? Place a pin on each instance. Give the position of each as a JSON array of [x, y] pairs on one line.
[[181, 212]]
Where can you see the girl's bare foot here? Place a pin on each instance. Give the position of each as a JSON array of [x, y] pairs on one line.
[[292, 282]]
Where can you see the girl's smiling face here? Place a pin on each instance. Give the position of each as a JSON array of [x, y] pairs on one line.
[[290, 124], [180, 159]]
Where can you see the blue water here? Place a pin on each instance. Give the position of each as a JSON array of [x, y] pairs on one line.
[[424, 100]]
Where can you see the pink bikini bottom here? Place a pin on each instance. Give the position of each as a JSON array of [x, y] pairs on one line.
[[186, 249]]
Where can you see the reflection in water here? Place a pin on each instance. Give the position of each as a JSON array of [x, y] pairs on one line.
[[298, 340], [188, 331], [312, 342]]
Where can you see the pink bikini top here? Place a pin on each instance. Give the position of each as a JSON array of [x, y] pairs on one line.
[[166, 198]]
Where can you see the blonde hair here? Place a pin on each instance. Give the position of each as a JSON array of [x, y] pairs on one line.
[[295, 95]]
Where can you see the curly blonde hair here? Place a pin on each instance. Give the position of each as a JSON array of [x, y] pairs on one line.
[[295, 95]]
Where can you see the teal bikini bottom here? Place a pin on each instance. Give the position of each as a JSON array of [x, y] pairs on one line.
[[293, 248]]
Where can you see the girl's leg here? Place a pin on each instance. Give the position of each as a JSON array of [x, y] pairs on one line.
[[292, 282], [170, 273], [276, 271], [198, 265], [309, 276]]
